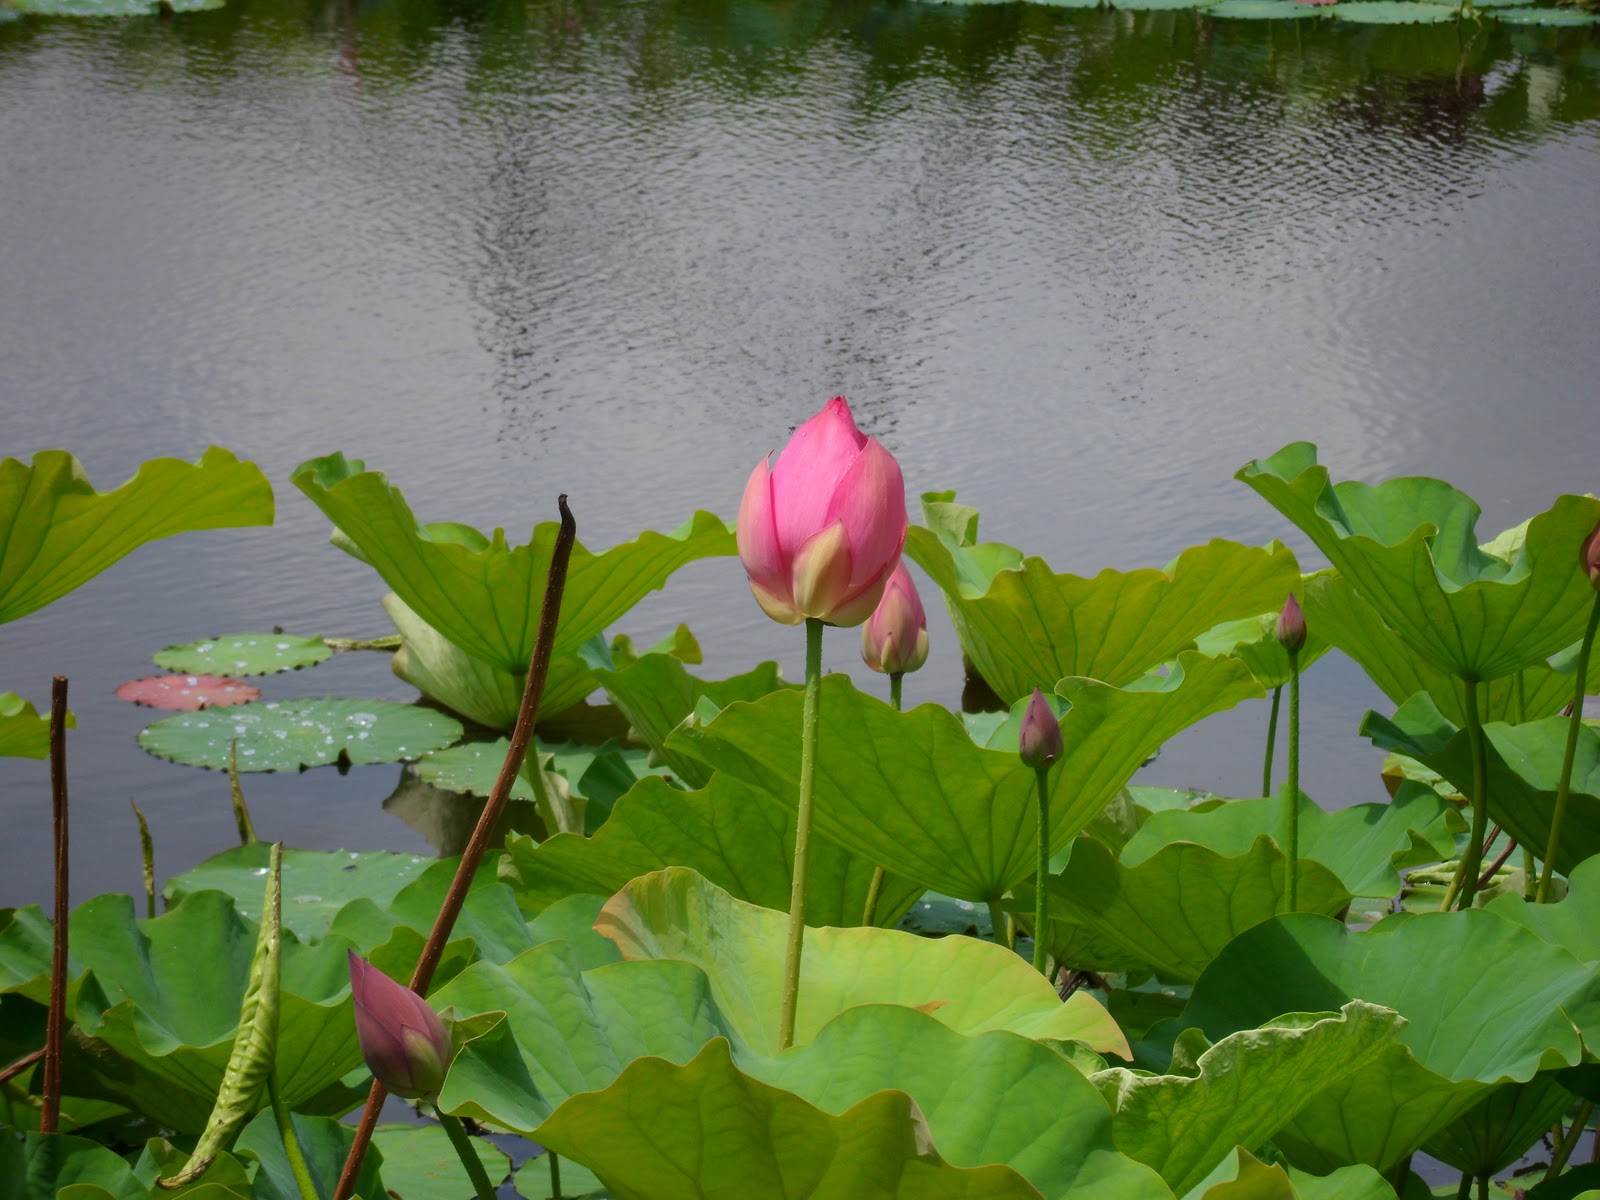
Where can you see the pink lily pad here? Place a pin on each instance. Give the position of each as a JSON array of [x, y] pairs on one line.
[[187, 693]]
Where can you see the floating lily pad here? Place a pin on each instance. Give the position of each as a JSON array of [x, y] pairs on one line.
[[187, 693], [244, 654], [1553, 17], [294, 734], [1392, 12], [1264, 10]]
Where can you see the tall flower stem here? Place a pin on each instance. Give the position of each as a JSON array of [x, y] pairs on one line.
[[1291, 797], [56, 1023], [481, 1186], [555, 1175], [1472, 864], [291, 1142], [1574, 723], [1041, 890], [869, 915], [802, 834], [1272, 742]]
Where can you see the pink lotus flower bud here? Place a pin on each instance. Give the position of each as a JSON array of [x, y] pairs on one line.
[[1291, 626], [1591, 557], [895, 639], [1039, 739], [406, 1045], [820, 532]]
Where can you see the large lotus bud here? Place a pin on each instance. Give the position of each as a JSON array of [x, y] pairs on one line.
[[820, 531], [406, 1045], [1039, 739], [895, 639], [1292, 626]]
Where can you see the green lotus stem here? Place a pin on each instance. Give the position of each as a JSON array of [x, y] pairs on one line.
[[147, 855], [1272, 741], [1472, 862], [802, 834], [555, 1175], [1569, 1140], [291, 1142], [1464, 1192], [1041, 890], [1530, 873], [997, 919], [1291, 798], [869, 914], [1574, 723], [465, 1152], [1483, 1187]]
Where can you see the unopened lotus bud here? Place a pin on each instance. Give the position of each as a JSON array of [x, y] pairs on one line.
[[1292, 626], [895, 638], [1039, 739], [406, 1045]]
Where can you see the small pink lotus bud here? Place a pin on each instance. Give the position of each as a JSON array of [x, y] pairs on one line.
[[821, 530], [1590, 558], [895, 639], [1039, 739], [406, 1045], [1292, 626]]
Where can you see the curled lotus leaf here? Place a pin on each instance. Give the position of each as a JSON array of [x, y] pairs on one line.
[[23, 732], [1409, 547]]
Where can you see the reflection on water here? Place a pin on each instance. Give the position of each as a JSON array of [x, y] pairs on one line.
[[1079, 264]]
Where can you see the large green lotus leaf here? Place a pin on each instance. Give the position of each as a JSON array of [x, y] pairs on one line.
[[234, 654], [23, 732], [42, 1163], [1242, 1176], [1336, 611], [290, 735], [325, 1144], [158, 1002], [912, 792], [600, 774], [1451, 975], [1023, 626], [420, 1163], [481, 691], [316, 883], [1254, 641], [1572, 923], [1365, 845], [61, 533], [729, 832], [577, 1181], [976, 986], [656, 693], [1410, 547], [668, 1132], [1500, 1128], [1241, 1090], [1174, 911], [481, 593], [1524, 772]]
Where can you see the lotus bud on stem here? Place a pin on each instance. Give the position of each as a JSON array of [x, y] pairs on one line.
[[1589, 561], [1039, 745], [819, 535], [893, 641], [1291, 632]]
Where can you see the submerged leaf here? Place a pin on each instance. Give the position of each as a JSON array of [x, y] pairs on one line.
[[60, 532]]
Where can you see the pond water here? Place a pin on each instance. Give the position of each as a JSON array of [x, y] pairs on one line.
[[1080, 265]]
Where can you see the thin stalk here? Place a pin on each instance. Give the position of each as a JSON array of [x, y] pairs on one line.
[[472, 856], [391, 642], [21, 1065], [1041, 888], [555, 1175], [1473, 863], [997, 920], [241, 810], [1500, 861], [291, 1142], [56, 1021], [1291, 799], [147, 855], [869, 914], [1569, 1140], [1574, 723], [1464, 1192], [802, 835], [1530, 875], [1272, 742], [468, 1156]]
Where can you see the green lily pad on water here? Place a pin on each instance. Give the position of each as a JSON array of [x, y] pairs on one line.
[[244, 654], [1553, 17], [288, 735], [1265, 10], [1392, 12]]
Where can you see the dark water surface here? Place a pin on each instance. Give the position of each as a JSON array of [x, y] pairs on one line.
[[1080, 265]]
